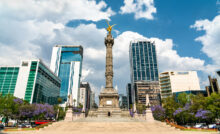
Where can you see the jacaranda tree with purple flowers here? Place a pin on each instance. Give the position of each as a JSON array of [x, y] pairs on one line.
[[9, 107], [158, 112], [184, 115], [17, 109], [43, 111], [203, 115], [189, 108]]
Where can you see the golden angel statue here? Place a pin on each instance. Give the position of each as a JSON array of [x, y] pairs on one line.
[[109, 28]]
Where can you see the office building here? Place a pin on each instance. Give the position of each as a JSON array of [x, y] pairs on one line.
[[92, 100], [123, 102], [129, 95], [213, 86], [31, 81], [143, 61], [178, 81], [66, 62], [218, 76], [85, 94], [8, 79], [144, 72], [151, 88], [194, 92]]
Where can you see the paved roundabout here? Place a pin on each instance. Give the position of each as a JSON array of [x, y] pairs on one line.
[[109, 126]]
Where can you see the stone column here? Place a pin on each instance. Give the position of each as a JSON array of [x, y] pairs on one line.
[[109, 42]]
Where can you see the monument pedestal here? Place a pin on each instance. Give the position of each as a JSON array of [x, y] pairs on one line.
[[149, 115], [69, 115], [109, 104]]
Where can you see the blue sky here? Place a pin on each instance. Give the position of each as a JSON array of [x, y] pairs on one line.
[[172, 20], [186, 33]]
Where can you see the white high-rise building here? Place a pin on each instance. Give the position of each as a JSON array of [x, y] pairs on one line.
[[178, 81]]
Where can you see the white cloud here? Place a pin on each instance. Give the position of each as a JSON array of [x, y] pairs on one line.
[[141, 8], [210, 41], [55, 10]]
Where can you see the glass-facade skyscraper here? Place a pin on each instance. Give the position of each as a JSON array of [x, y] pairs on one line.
[[143, 61], [144, 72], [36, 83], [8, 79], [66, 62], [32, 81]]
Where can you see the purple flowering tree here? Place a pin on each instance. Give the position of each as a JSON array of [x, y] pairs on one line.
[[77, 110], [43, 111], [26, 112], [158, 112], [203, 115], [184, 115]]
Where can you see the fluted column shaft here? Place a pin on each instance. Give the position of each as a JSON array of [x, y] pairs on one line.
[[109, 42]]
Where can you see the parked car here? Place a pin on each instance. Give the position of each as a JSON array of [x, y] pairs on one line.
[[187, 126], [200, 125], [218, 126], [27, 125], [212, 125], [21, 126], [2, 126], [204, 126], [33, 124]]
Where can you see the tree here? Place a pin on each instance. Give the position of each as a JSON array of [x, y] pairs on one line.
[[213, 104], [59, 100], [80, 105], [158, 112], [198, 102], [204, 115], [8, 108], [61, 114], [26, 112], [182, 99], [141, 108], [43, 111], [74, 101], [170, 106]]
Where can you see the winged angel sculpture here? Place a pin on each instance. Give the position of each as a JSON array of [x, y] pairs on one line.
[[109, 28]]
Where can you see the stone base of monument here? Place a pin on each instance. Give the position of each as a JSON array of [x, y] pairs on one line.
[[149, 115], [69, 115], [82, 115], [109, 112], [92, 113], [125, 113], [108, 103]]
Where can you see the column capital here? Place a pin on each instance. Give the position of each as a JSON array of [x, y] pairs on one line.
[[109, 40]]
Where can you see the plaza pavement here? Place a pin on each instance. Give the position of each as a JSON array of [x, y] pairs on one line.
[[109, 126]]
